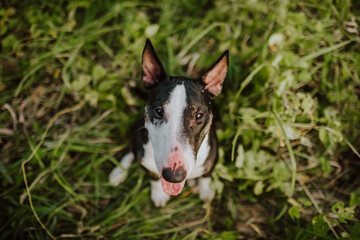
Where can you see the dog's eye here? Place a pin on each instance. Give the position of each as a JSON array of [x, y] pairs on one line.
[[159, 111], [199, 115]]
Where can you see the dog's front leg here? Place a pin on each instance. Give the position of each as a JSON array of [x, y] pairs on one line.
[[205, 190], [158, 196]]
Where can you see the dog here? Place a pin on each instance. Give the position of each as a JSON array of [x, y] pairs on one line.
[[176, 141]]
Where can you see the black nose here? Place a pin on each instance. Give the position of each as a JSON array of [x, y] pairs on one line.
[[174, 176]]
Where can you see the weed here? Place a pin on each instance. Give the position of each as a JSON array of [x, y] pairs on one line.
[[288, 116]]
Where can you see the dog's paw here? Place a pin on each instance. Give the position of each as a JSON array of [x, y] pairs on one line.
[[160, 199], [205, 190], [118, 174], [158, 196]]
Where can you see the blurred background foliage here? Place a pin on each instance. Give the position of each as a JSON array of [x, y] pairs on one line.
[[288, 126]]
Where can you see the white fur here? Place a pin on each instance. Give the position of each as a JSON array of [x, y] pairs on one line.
[[119, 173], [169, 134], [158, 196], [202, 155], [205, 190], [148, 159]]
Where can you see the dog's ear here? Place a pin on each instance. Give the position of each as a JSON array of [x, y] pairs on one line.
[[215, 75], [152, 69]]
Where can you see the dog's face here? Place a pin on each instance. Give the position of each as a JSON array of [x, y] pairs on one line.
[[178, 116]]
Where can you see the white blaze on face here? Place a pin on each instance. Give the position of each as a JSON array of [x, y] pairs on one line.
[[167, 135]]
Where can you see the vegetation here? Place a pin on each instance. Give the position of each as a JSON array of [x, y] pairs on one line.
[[289, 117]]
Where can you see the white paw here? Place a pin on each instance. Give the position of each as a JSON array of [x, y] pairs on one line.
[[117, 176], [158, 196], [205, 190], [119, 173]]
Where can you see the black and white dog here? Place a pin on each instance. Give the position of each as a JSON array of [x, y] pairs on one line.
[[177, 141]]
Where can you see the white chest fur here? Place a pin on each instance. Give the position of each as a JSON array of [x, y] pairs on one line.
[[201, 158], [148, 160]]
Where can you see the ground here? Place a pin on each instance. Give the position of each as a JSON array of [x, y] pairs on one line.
[[287, 119]]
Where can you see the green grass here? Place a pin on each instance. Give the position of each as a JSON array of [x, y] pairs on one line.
[[289, 118]]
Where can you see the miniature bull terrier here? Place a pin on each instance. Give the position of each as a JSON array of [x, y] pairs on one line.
[[176, 141]]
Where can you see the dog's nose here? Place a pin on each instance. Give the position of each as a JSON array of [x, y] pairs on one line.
[[174, 176]]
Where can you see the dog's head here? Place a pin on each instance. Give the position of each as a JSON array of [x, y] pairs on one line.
[[178, 116]]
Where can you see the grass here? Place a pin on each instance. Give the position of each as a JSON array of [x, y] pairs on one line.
[[288, 128]]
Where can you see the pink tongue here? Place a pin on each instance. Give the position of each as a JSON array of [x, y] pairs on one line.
[[172, 188]]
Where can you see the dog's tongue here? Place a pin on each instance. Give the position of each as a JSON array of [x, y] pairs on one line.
[[172, 188]]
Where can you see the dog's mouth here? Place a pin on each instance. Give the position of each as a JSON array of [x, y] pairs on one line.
[[172, 188]]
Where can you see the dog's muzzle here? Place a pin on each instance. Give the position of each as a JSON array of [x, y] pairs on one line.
[[174, 173]]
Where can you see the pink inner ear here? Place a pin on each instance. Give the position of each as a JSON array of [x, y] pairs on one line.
[[152, 71], [215, 77]]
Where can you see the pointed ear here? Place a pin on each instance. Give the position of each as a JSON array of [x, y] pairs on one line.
[[215, 75], [152, 69]]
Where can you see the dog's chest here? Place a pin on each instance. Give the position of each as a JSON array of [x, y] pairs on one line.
[[202, 156]]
